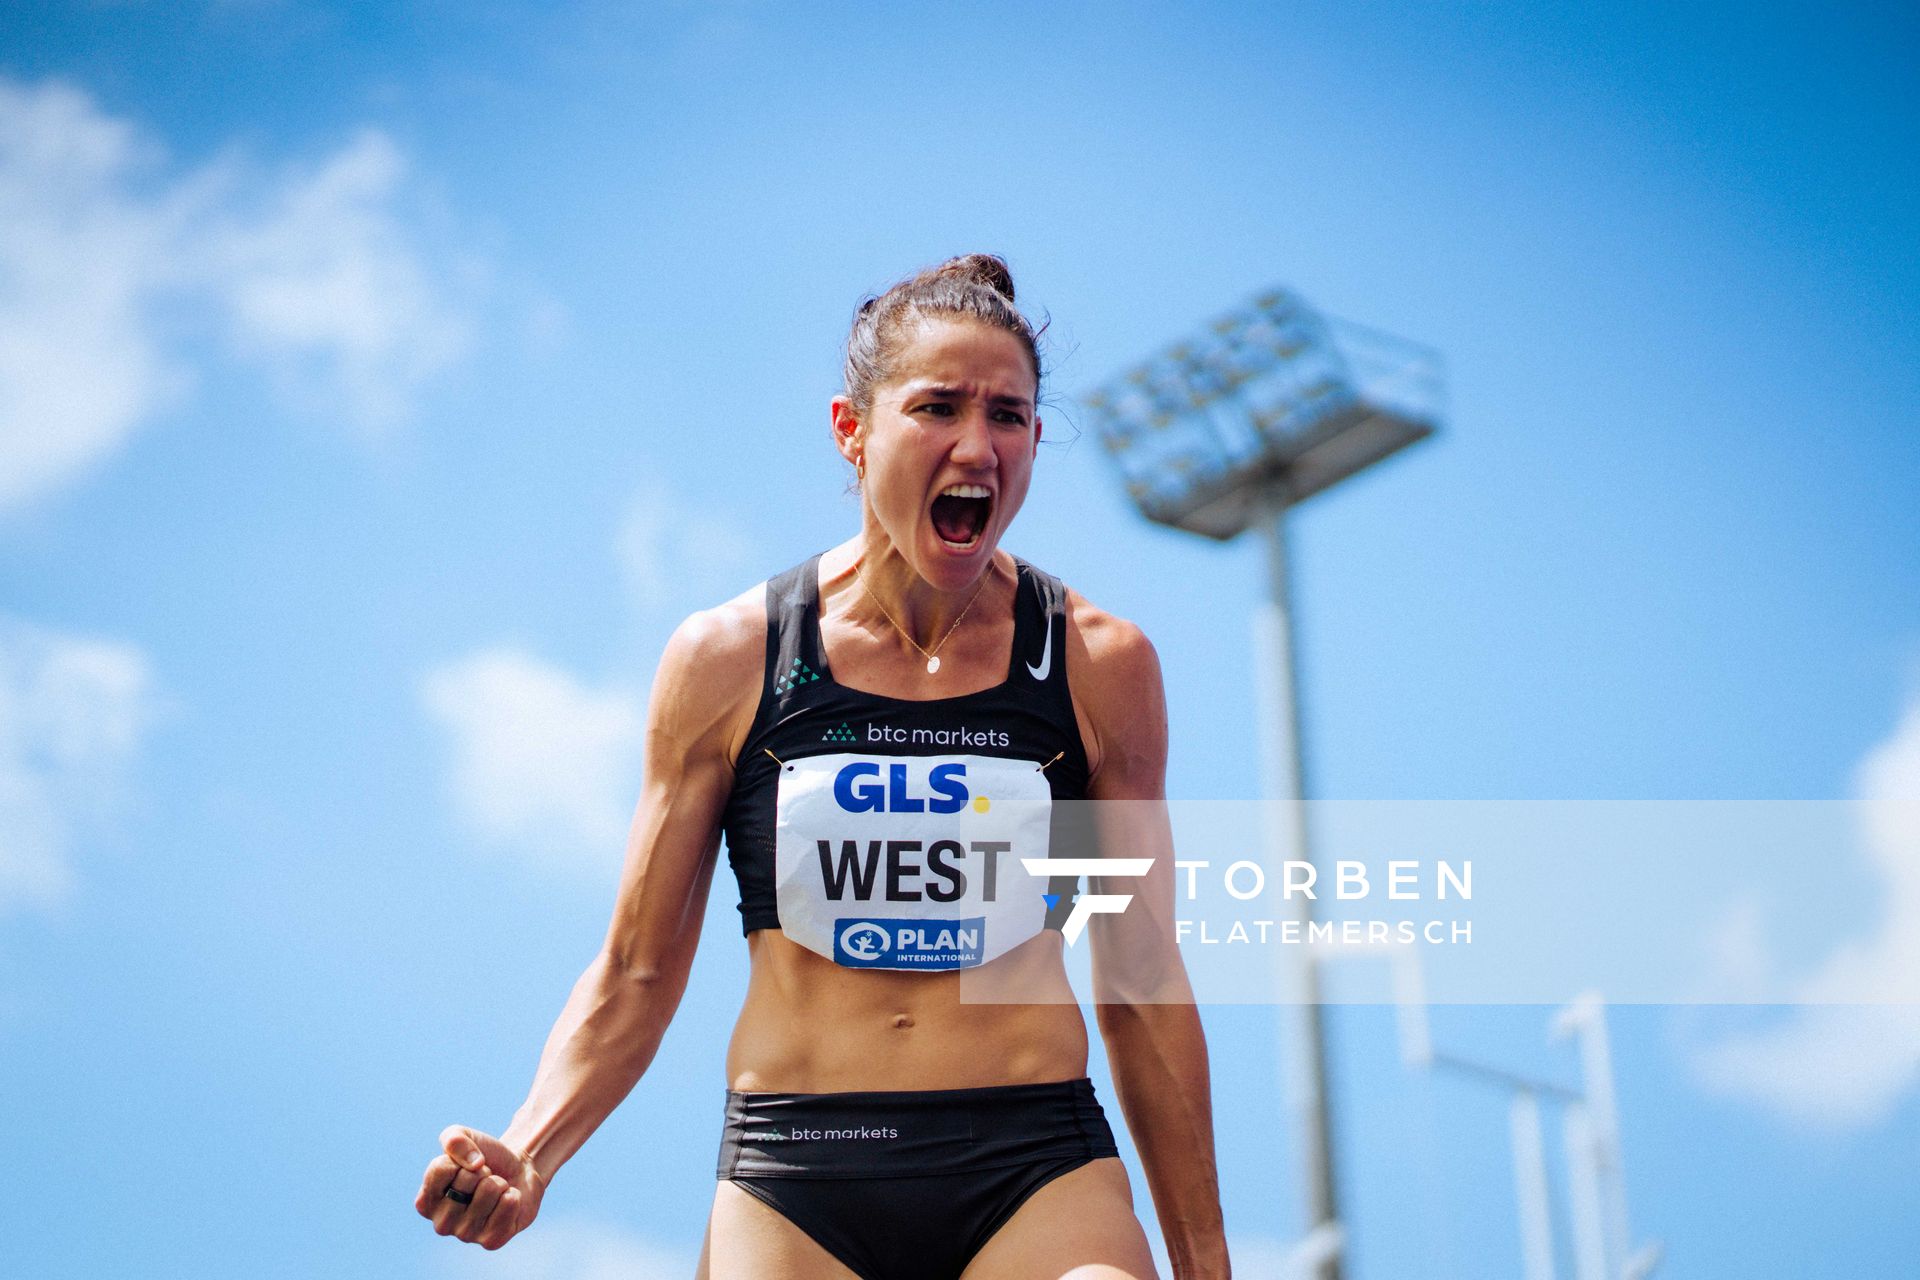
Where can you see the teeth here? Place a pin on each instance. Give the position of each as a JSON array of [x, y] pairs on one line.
[[966, 491]]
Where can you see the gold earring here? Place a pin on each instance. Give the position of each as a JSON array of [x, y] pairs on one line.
[[860, 467]]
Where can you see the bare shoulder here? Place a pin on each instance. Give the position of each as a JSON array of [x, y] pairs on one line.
[[1114, 673], [708, 684], [1106, 646], [729, 635]]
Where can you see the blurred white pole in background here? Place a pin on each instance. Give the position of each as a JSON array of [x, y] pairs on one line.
[[1586, 1019], [1530, 1187], [1583, 1187], [1305, 1046]]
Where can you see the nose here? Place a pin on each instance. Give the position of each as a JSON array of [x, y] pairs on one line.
[[973, 447]]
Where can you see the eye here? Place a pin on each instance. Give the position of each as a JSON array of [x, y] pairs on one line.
[[1013, 417], [939, 408]]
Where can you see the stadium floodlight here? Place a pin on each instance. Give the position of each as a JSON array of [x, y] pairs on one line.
[[1226, 430], [1273, 401]]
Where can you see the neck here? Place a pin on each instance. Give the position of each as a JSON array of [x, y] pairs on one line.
[[895, 595]]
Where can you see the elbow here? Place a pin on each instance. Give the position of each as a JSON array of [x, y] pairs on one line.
[[1119, 1019], [635, 974], [1114, 1019], [1159, 978]]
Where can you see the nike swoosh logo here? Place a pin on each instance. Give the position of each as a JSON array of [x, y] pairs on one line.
[[1040, 669]]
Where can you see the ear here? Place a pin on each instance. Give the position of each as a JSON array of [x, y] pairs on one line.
[[1036, 435], [846, 429]]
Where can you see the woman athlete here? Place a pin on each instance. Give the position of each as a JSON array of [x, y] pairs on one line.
[[884, 733]]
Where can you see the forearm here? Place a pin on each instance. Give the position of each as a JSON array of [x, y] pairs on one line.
[[1158, 1054], [601, 1045]]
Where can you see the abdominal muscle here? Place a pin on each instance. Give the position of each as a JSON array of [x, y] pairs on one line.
[[811, 1026]]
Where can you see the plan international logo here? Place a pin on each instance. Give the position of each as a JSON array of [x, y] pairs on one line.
[[904, 944]]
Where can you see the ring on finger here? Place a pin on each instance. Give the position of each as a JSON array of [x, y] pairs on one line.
[[458, 1196], [479, 1215]]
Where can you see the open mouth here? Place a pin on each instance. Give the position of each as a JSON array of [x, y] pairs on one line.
[[960, 514]]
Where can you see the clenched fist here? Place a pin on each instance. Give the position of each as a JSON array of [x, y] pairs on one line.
[[504, 1187]]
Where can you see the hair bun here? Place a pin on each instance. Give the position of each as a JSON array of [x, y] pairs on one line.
[[988, 269], [975, 287]]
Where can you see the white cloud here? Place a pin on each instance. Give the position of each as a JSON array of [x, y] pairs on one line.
[[1739, 964], [1851, 1052], [323, 285], [567, 1249], [72, 711], [1836, 1067], [80, 254], [112, 261], [675, 556], [542, 764]]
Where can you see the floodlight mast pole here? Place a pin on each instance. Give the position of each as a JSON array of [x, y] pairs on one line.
[[1285, 780], [1224, 432]]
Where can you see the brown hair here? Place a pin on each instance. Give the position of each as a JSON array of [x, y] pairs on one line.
[[976, 286]]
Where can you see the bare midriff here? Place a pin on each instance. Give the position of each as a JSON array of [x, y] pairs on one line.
[[812, 1026]]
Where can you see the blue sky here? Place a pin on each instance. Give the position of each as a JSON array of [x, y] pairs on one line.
[[377, 389]]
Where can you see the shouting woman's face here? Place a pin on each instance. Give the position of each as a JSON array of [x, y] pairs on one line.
[[949, 446]]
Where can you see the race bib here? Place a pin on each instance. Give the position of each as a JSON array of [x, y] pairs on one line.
[[911, 862]]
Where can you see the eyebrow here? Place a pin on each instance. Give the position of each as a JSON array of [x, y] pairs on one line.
[[938, 392]]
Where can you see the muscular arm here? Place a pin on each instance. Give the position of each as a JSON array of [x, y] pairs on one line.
[[1144, 1003], [619, 1009]]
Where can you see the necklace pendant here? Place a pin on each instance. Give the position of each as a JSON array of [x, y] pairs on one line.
[[933, 665]]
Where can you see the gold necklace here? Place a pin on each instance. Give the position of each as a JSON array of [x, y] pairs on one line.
[[931, 655]]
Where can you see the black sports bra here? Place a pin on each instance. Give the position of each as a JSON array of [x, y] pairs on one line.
[[891, 832]]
